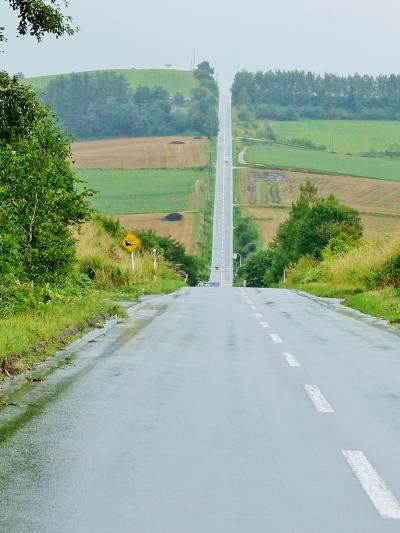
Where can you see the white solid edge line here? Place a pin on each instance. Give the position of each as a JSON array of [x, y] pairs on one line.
[[384, 501], [264, 324], [275, 338], [291, 359], [318, 399]]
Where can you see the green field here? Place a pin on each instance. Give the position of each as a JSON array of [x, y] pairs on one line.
[[142, 191], [343, 136], [173, 81], [324, 162]]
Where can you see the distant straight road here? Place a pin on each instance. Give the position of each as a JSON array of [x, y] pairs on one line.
[[219, 410], [221, 263]]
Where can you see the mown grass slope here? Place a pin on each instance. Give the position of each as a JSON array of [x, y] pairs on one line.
[[342, 136], [173, 81], [143, 191], [319, 161]]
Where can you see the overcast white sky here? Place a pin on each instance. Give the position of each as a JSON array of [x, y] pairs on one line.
[[342, 36]]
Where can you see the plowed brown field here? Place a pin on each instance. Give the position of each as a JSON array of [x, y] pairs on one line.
[[181, 230], [140, 152]]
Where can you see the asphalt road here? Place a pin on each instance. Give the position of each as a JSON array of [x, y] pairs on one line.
[[213, 411], [221, 263]]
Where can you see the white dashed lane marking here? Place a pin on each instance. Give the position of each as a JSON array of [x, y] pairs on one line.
[[291, 359], [258, 315], [318, 399], [275, 338], [264, 324], [384, 501]]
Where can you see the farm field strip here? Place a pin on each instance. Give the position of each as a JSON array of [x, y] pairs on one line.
[[182, 230], [140, 152], [144, 191], [268, 201], [342, 136], [319, 161]]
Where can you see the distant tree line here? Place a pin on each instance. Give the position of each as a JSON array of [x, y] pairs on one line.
[[291, 95], [102, 104]]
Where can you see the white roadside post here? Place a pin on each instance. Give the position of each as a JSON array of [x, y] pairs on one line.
[[235, 255], [155, 264], [284, 277], [133, 261]]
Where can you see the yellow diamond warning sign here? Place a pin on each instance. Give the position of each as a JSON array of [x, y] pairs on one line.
[[130, 242]]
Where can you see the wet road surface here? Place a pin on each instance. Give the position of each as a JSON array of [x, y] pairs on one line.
[[218, 411]]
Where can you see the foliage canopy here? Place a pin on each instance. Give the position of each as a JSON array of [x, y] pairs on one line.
[[39, 17], [38, 197]]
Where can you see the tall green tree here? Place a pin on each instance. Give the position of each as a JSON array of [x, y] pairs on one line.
[[40, 200], [312, 223]]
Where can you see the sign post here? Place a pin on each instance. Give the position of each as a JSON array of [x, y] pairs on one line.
[[131, 243]]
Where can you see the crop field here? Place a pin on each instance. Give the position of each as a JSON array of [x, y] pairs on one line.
[[343, 136], [267, 196], [173, 81], [182, 230], [144, 191], [140, 152], [269, 218], [319, 161]]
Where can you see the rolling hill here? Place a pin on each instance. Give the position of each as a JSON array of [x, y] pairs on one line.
[[173, 81]]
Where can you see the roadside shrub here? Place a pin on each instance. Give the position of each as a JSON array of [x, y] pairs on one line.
[[297, 273], [315, 273], [112, 226], [341, 244], [104, 273], [386, 276], [23, 296]]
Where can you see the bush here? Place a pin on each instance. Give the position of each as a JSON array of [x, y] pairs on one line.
[[104, 273]]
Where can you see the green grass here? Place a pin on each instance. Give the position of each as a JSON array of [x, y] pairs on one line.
[[324, 162], [35, 334], [173, 81], [343, 136], [142, 191], [384, 303]]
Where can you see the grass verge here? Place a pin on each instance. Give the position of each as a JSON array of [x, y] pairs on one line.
[[28, 338], [366, 277], [384, 303]]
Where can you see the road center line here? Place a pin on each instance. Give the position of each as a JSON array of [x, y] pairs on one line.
[[264, 324], [291, 359], [275, 338], [384, 501], [318, 399]]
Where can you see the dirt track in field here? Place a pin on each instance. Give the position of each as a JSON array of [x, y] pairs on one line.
[[181, 230], [140, 152]]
